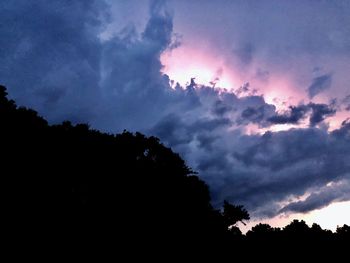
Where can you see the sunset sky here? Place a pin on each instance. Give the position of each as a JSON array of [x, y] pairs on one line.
[[254, 95]]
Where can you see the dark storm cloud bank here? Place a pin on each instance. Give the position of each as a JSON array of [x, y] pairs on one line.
[[50, 55], [292, 163], [262, 170], [321, 198], [318, 113], [53, 60]]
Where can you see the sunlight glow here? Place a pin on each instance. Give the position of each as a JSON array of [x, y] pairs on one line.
[[331, 216], [281, 92], [336, 214], [182, 64]]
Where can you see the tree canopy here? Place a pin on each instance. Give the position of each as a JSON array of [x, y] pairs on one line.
[[72, 183]]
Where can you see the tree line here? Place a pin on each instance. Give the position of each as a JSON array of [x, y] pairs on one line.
[[73, 184]]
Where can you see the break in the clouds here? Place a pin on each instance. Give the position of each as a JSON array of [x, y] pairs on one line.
[[87, 62]]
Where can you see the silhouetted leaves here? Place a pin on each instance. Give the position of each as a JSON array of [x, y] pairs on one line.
[[234, 213], [73, 183], [68, 183]]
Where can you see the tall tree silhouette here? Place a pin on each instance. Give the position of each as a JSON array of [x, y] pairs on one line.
[[234, 213], [69, 184], [73, 183]]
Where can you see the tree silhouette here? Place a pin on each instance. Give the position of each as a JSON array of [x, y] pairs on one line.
[[70, 184], [343, 233], [233, 214], [263, 232]]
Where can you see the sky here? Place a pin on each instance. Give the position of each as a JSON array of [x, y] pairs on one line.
[[254, 95]]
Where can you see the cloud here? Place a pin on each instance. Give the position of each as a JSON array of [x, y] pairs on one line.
[[50, 55], [263, 170], [346, 102], [53, 59], [253, 114], [319, 112], [294, 116], [219, 108], [326, 195], [272, 45], [319, 84], [258, 114]]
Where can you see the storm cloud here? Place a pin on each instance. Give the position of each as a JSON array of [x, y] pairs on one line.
[[50, 55], [263, 170], [63, 59], [294, 116], [319, 112], [321, 198]]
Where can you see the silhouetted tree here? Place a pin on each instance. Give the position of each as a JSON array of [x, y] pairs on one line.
[[297, 227], [233, 214], [343, 233], [263, 232], [70, 184]]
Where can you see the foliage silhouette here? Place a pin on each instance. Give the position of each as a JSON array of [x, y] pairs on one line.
[[233, 214], [73, 185], [69, 182]]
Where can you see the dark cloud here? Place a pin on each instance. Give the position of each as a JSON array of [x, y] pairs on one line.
[[220, 108], [206, 141], [209, 124], [346, 102], [53, 59], [159, 28], [50, 55], [255, 115], [319, 84], [328, 194], [344, 131], [245, 90], [294, 116], [254, 109], [280, 165], [319, 112], [172, 130], [260, 171]]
